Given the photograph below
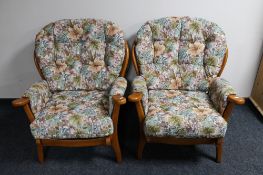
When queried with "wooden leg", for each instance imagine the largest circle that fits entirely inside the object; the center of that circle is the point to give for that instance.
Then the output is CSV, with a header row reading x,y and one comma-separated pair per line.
x,y
40,151
219,150
141,145
116,148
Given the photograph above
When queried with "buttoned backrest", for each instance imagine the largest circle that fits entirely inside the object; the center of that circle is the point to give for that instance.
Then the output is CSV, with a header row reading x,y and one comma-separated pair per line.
x,y
80,54
180,53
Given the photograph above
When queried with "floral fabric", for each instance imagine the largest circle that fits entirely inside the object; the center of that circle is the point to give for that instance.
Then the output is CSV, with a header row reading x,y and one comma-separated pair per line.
x,y
183,114
73,114
80,54
218,91
81,60
139,85
118,88
38,94
180,53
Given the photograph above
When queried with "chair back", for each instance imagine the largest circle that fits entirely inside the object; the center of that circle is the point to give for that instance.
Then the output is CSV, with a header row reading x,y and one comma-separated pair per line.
x,y
180,53
80,54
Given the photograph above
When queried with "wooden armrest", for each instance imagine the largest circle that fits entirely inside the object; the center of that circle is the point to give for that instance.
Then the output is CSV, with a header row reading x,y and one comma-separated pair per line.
x,y
135,97
235,99
20,102
118,99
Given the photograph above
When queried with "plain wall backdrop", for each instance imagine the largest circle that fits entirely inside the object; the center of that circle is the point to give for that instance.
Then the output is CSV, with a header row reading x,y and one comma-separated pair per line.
x,y
20,20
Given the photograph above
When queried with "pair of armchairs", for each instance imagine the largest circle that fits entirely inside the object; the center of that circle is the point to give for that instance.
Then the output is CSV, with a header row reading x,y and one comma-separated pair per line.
x,y
179,96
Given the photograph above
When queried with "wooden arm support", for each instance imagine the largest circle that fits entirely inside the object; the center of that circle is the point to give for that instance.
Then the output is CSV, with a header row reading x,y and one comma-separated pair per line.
x,y
118,99
135,97
20,102
235,99
232,101
24,102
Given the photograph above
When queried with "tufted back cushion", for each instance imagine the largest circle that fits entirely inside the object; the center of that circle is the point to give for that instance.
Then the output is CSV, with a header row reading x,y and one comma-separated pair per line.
x,y
180,53
80,54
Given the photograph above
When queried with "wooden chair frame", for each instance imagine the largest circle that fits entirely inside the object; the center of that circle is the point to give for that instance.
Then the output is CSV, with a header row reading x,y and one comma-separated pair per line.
x,y
136,97
111,140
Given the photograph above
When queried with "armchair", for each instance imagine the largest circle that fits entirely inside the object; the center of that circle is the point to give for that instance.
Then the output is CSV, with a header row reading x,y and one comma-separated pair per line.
x,y
179,95
82,63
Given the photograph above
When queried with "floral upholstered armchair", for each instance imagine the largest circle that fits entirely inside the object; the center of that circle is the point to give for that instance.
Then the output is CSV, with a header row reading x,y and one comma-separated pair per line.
x,y
82,63
179,95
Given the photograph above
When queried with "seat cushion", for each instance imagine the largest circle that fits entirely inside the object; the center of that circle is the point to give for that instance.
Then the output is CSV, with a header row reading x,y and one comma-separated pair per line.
x,y
183,114
74,114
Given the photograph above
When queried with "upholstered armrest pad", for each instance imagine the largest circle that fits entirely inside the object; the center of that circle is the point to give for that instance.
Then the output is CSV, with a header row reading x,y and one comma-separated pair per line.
x,y
139,85
118,88
219,90
38,94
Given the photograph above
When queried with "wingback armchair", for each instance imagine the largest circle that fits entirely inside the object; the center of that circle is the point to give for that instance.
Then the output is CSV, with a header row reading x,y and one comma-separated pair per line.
x,y
82,63
179,95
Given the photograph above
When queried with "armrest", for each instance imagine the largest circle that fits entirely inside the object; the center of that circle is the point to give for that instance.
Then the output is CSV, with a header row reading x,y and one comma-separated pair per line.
x,y
140,92
232,100
135,97
38,95
24,102
20,102
117,92
235,99
221,92
118,99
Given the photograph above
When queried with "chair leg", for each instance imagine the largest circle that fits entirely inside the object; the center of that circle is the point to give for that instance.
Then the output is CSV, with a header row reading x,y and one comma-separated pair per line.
x,y
140,148
116,148
219,150
40,151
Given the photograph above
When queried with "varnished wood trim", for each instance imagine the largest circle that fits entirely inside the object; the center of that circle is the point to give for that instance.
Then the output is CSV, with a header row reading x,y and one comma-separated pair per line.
x,y
181,141
115,116
114,137
125,61
219,149
73,142
235,99
140,111
24,102
142,140
135,97
134,60
228,110
29,113
232,100
40,151
116,148
20,102
118,99
108,141
223,63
